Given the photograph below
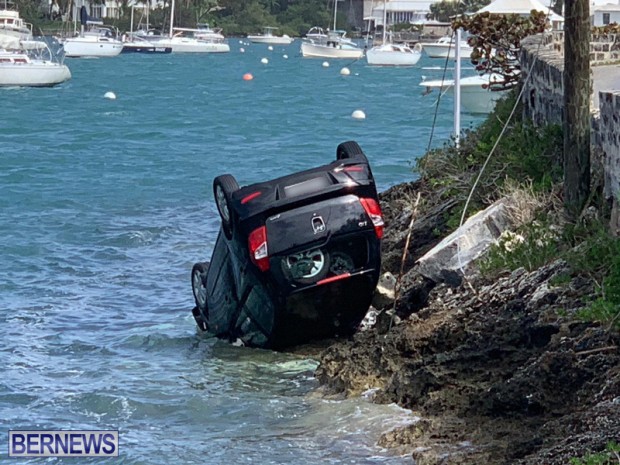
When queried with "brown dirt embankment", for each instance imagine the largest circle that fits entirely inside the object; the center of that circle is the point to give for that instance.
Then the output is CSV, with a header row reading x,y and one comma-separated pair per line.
x,y
501,372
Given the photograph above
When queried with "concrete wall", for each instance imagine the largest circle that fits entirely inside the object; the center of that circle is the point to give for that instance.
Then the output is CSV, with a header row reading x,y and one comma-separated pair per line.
x,y
542,59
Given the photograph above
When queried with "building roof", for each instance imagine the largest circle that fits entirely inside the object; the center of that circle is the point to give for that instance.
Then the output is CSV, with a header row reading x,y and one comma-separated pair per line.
x,y
404,5
519,7
608,7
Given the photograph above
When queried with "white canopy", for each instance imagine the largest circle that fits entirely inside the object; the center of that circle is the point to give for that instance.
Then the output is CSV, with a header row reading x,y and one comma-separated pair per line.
x,y
9,42
520,7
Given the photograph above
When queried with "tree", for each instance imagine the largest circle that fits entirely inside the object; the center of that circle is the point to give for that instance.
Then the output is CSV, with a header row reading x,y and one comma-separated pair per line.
x,y
576,106
445,10
496,42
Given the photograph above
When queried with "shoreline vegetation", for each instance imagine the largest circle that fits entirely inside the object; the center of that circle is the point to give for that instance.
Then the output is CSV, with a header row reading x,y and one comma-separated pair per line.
x,y
517,361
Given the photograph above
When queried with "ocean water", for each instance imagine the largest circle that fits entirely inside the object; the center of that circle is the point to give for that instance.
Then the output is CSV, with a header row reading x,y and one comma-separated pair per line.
x,y
106,204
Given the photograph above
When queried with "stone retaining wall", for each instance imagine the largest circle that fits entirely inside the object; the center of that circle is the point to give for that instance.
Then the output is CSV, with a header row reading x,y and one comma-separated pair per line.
x,y
604,48
543,103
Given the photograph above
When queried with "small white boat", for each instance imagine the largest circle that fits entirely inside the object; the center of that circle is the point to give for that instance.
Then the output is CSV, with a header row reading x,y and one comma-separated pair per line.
x,y
12,25
94,40
445,47
268,37
390,54
29,64
476,97
206,32
335,45
184,40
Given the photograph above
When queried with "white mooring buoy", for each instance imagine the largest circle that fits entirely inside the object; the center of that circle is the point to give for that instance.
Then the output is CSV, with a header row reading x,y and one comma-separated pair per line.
x,y
358,114
345,71
110,95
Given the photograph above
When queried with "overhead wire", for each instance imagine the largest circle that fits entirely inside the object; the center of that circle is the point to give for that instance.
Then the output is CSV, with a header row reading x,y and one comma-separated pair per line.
x,y
496,144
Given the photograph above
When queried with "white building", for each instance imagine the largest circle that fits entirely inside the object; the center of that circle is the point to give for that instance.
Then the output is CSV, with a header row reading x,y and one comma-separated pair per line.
x,y
398,11
602,15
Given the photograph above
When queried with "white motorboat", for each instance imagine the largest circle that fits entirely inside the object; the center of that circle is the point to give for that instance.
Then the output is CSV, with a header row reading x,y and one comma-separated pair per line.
x,y
476,97
93,40
206,32
334,44
29,64
445,47
268,37
390,54
12,25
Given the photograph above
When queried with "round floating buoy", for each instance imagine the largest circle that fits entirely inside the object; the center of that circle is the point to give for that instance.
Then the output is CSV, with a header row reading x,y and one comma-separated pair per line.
x,y
248,77
264,61
325,64
240,41
345,71
358,114
285,57
270,48
110,95
242,50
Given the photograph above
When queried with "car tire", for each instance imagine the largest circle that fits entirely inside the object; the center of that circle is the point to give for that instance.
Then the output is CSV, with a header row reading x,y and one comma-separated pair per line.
x,y
309,278
200,321
350,149
223,188
199,288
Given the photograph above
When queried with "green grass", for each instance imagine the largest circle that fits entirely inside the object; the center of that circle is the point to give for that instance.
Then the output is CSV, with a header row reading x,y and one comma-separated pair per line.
x,y
611,456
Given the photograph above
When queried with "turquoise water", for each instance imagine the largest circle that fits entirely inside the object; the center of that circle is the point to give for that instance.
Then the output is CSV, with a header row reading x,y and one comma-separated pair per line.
x,y
106,204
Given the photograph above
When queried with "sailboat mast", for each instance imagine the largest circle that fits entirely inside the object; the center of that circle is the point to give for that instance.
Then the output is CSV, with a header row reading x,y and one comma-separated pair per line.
x,y
335,11
384,20
171,17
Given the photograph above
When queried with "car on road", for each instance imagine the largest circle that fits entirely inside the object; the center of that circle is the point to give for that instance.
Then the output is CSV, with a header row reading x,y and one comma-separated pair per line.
x,y
296,259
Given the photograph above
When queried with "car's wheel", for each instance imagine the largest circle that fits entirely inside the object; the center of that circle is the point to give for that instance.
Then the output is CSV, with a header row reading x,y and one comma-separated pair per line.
x,y
199,286
350,149
200,322
223,188
306,267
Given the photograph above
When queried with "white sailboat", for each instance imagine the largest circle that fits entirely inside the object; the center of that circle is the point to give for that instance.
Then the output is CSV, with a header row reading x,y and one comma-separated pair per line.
x,y
185,40
29,63
93,40
390,54
334,45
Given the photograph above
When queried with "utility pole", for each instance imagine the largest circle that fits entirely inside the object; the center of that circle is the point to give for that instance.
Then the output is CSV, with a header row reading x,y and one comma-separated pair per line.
x,y
577,119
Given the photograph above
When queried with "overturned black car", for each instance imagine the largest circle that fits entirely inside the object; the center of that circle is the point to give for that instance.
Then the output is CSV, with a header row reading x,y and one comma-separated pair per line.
x,y
296,259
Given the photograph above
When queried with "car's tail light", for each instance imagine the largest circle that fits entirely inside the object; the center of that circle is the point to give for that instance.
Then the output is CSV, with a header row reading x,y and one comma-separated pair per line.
x,y
257,243
354,168
374,212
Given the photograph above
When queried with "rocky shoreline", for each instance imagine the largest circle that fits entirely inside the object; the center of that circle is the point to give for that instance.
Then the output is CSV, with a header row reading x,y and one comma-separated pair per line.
x,y
500,372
